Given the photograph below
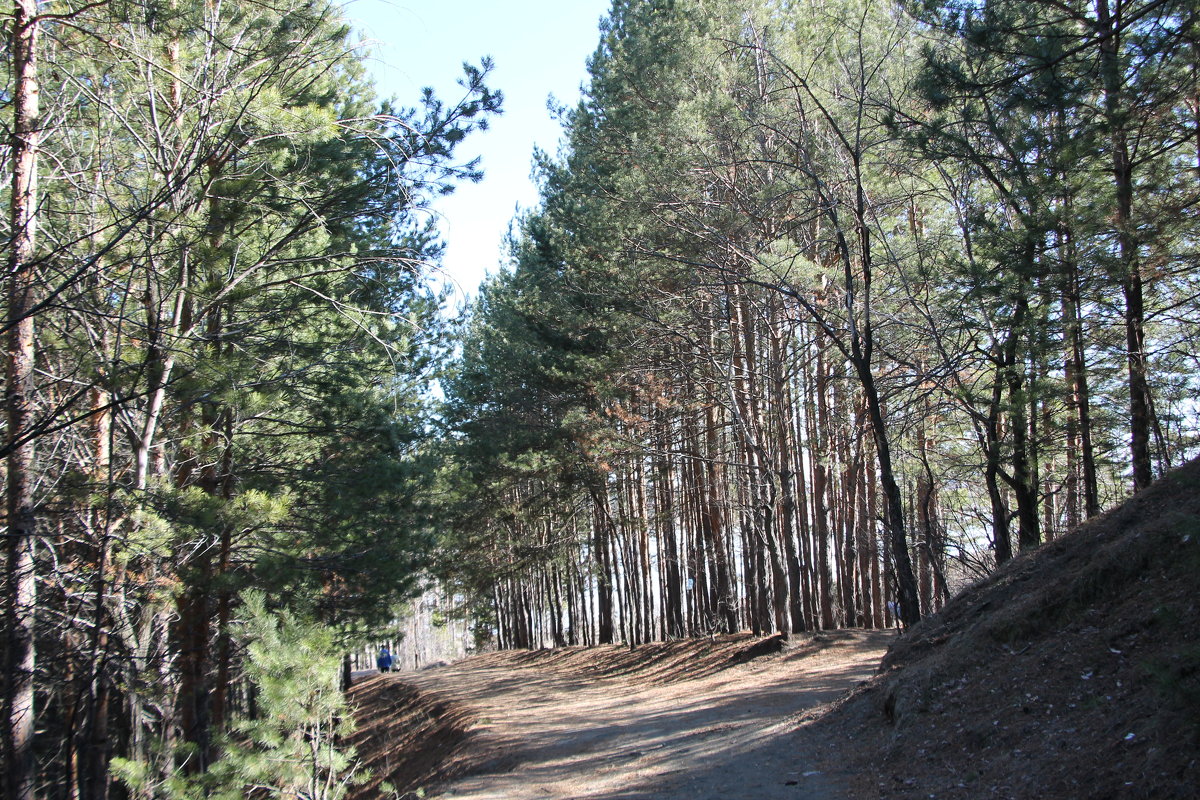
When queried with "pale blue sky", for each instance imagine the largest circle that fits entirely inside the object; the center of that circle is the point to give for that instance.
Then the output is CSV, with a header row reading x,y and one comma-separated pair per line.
x,y
540,48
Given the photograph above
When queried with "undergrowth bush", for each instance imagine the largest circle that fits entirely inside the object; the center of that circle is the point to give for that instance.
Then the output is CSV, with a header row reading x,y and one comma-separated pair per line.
x,y
291,746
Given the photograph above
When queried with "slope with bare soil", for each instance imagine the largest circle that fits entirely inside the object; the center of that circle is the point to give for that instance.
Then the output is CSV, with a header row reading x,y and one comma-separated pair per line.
x,y
406,737
1074,672
681,720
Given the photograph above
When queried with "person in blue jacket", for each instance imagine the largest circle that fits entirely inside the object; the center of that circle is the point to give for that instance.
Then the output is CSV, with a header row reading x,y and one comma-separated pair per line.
x,y
384,661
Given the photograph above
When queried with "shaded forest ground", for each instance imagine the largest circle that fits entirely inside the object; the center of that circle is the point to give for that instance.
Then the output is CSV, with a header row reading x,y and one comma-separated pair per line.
x,y
1073,672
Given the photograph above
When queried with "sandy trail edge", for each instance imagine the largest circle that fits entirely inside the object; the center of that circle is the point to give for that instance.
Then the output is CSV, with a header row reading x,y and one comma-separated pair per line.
x,y
547,729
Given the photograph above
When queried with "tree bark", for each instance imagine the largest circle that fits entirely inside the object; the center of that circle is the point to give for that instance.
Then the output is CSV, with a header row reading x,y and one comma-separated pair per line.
x,y
786,512
818,437
1110,32
601,533
723,605
20,595
1081,457
667,537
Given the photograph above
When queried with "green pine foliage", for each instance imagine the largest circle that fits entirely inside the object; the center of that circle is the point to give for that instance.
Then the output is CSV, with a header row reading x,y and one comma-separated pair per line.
x,y
235,342
290,745
768,221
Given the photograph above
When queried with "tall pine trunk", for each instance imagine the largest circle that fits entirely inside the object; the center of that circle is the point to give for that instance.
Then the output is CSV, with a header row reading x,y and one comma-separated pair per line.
x,y
20,595
1110,31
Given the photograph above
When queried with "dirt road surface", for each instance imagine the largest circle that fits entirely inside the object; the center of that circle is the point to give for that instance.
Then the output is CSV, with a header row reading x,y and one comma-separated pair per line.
x,y
547,730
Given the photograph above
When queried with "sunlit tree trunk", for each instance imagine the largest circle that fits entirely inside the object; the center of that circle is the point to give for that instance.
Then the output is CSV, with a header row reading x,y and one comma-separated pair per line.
x,y
818,437
20,595
672,578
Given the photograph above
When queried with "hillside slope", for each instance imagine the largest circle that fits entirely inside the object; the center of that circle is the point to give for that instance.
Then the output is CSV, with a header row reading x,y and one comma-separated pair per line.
x,y
1073,672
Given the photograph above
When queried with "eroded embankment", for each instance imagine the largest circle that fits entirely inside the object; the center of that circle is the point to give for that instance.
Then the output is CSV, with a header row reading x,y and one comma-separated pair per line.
x,y
1072,672
407,737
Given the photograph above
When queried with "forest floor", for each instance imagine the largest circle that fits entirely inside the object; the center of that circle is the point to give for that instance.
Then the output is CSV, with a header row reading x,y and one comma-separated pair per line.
x,y
708,718
1072,672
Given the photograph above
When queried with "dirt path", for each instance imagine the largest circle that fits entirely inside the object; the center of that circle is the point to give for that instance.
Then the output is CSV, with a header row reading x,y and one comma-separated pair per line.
x,y
550,730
